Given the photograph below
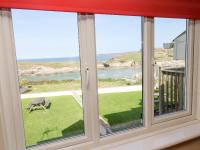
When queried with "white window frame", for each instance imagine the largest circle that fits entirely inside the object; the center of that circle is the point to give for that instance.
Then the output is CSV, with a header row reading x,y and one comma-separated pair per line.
x,y
11,101
10,107
189,77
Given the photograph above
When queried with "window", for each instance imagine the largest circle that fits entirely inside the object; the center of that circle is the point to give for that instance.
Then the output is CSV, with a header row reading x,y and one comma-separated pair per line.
x,y
170,66
47,52
74,79
119,65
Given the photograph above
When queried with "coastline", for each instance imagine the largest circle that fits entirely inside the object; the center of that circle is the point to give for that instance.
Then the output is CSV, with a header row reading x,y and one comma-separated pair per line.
x,y
37,70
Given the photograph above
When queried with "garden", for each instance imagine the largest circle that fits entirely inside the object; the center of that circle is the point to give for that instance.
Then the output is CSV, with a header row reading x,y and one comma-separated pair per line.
x,y
65,116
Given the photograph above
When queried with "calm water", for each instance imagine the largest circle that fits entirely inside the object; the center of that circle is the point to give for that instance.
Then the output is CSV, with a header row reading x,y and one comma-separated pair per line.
x,y
114,73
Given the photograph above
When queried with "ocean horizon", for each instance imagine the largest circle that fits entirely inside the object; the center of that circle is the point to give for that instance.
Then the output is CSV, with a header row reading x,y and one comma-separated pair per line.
x,y
100,57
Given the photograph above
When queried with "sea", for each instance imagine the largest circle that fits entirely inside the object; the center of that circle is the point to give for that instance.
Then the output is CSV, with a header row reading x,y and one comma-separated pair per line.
x,y
100,58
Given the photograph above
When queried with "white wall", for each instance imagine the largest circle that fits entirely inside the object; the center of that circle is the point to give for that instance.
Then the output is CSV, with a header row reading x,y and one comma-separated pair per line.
x,y
179,48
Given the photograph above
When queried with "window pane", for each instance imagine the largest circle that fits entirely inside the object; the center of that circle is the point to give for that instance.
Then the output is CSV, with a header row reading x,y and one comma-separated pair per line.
x,y
119,64
170,65
49,74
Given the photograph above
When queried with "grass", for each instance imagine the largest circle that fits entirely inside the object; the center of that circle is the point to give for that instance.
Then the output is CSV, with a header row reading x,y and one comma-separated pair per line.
x,y
163,54
159,55
51,86
28,65
118,108
102,83
54,86
65,117
129,56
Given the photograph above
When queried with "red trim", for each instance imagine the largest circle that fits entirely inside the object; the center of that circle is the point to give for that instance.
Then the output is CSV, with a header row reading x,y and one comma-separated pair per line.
x,y
151,8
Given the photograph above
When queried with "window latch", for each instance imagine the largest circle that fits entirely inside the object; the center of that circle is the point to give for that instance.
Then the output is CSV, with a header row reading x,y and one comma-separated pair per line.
x,y
87,75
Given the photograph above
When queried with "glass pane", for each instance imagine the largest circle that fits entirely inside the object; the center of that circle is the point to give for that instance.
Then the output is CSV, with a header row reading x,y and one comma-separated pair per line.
x,y
119,64
170,65
49,74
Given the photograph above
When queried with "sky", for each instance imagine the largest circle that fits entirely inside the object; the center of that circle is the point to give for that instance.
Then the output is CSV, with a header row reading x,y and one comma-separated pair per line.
x,y
46,34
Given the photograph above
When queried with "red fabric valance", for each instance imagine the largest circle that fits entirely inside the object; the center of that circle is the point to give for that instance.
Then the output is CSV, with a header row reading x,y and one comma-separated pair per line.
x,y
151,8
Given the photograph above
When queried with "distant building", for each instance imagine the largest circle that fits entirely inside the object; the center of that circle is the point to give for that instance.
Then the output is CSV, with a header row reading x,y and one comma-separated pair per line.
x,y
178,45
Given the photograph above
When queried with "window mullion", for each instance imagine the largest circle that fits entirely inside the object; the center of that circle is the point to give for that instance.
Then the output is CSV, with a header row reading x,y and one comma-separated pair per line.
x,y
10,100
190,72
196,82
148,42
87,42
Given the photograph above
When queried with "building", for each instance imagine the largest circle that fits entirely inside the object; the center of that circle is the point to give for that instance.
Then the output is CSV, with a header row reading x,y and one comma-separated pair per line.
x,y
179,45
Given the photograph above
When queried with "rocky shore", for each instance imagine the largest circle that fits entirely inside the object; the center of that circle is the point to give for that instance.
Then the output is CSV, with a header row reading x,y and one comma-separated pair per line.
x,y
45,70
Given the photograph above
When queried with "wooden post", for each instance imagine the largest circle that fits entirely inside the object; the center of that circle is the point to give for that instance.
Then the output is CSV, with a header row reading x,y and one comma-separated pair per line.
x,y
175,91
167,93
161,93
164,95
171,93
181,91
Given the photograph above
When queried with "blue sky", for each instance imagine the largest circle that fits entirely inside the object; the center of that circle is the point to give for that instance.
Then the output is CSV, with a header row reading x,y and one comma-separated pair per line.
x,y
44,34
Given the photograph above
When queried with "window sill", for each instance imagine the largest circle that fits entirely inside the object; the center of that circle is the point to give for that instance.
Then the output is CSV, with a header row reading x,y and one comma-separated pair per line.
x,y
159,139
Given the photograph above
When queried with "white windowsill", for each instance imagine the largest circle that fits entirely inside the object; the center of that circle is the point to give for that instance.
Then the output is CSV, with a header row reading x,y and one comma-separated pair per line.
x,y
159,139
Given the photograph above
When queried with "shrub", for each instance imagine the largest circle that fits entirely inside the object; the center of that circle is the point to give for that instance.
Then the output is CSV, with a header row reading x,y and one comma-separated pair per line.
x,y
106,65
24,82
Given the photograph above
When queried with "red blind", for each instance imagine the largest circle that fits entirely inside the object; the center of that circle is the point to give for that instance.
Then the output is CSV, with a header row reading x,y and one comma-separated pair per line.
x,y
159,8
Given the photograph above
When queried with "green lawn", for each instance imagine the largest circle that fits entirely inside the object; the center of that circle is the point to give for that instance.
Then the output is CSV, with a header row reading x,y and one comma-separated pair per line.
x,y
65,117
118,108
52,86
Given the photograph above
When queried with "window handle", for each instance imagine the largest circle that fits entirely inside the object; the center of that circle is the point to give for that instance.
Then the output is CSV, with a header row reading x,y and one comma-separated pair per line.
x,y
153,62
87,75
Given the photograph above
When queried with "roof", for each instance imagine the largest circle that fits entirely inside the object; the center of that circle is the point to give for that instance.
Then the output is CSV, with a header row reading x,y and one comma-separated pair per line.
x,y
171,45
184,32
